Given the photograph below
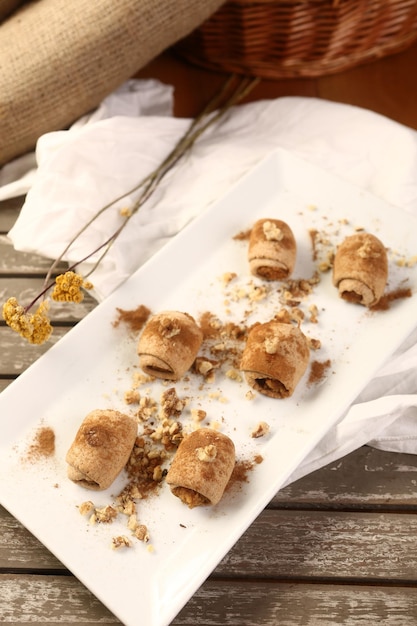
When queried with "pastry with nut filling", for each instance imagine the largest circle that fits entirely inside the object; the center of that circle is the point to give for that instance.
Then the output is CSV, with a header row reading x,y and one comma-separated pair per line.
x,y
360,269
101,448
272,250
169,344
274,359
202,467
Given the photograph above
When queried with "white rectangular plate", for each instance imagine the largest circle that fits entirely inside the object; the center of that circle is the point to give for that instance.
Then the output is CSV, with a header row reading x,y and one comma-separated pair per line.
x,y
93,365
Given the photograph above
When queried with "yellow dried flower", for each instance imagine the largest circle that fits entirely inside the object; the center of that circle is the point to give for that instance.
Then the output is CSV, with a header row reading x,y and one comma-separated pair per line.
x,y
36,328
68,287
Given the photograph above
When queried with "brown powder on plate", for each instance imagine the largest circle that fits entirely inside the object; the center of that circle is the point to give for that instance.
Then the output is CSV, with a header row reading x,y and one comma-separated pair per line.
x,y
135,319
43,444
243,235
384,303
241,471
318,370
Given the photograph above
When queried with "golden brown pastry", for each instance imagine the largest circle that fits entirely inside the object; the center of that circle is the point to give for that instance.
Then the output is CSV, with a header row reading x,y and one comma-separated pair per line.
x,y
360,269
275,358
272,249
101,448
202,467
169,344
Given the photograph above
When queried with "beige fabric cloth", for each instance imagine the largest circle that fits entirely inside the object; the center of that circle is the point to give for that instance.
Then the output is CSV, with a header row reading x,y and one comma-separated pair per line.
x,y
59,59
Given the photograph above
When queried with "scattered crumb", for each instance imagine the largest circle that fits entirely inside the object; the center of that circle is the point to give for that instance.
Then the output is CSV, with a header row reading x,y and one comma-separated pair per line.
x,y
261,429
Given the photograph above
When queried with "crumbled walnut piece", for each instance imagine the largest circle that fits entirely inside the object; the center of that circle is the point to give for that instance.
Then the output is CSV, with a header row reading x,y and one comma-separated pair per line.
x,y
250,395
132,522
271,345
132,396
206,453
313,310
86,507
228,277
205,366
171,404
283,316
257,292
271,231
314,344
261,430
105,515
120,542
147,408
296,314
367,251
169,328
198,415
141,533
234,375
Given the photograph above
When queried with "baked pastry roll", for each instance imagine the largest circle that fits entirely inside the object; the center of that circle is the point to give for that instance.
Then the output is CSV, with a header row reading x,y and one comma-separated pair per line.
x,y
360,269
272,249
275,358
169,344
101,448
202,467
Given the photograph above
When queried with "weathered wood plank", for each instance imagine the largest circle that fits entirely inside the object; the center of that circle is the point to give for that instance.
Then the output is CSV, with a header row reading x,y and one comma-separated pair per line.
x,y
281,544
280,604
9,210
16,354
14,262
49,600
65,601
366,479
317,544
5,382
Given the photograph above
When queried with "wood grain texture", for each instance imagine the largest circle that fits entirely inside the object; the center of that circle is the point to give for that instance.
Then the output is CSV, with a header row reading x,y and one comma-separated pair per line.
x,y
38,599
282,545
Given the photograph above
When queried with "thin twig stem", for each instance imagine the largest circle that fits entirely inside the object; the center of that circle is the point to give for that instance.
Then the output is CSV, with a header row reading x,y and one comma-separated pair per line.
x,y
212,112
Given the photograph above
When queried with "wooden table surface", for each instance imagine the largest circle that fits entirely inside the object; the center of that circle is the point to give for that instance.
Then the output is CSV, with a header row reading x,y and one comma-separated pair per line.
x,y
338,546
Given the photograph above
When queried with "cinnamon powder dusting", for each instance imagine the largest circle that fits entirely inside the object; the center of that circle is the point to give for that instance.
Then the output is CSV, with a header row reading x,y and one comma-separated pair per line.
x,y
134,319
318,371
384,303
244,235
241,471
43,445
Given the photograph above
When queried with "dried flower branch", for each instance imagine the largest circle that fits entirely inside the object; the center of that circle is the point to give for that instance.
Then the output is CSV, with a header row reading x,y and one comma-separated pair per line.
x,y
67,287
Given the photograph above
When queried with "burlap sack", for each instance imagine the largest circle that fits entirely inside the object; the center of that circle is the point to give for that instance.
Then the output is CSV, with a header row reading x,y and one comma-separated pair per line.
x,y
59,59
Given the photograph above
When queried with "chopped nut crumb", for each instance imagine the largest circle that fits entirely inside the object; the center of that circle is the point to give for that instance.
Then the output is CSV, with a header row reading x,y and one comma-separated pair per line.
x,y
207,453
198,415
141,533
228,277
261,430
313,313
104,515
271,345
272,232
314,344
234,375
132,396
86,507
120,542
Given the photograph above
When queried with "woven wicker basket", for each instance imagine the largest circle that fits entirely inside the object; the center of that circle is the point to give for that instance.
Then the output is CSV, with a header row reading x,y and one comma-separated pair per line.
x,y
300,38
